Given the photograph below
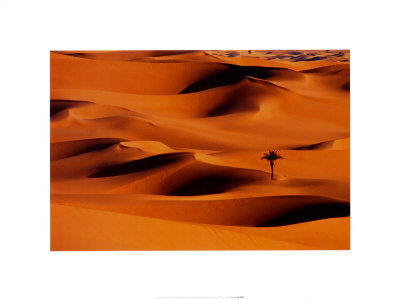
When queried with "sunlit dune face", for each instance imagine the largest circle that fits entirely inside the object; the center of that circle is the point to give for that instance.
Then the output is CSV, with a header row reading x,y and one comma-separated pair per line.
x,y
200,150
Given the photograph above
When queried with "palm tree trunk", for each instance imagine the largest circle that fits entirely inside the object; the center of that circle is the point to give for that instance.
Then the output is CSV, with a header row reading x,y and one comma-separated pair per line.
x,y
272,170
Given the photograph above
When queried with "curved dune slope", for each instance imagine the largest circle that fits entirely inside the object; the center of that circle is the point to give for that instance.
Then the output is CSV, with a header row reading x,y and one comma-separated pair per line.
x,y
122,55
160,150
235,73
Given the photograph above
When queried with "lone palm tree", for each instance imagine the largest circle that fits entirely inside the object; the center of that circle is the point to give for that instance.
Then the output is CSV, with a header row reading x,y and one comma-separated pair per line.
x,y
272,156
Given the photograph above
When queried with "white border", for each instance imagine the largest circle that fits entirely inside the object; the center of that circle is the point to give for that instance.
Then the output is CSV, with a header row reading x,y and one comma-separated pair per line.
x,y
31,28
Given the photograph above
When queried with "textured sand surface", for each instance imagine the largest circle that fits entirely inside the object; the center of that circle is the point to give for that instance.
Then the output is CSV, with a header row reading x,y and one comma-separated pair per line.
x,y
160,150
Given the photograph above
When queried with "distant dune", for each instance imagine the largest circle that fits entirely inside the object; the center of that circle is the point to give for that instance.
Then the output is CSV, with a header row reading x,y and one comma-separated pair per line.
x,y
160,150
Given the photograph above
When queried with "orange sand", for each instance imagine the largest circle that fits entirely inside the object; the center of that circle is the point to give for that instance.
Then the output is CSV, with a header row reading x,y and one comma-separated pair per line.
x,y
160,150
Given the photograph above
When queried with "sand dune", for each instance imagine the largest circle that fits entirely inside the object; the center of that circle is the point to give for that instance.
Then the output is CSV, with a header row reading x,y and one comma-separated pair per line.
x,y
87,229
248,211
154,150
121,55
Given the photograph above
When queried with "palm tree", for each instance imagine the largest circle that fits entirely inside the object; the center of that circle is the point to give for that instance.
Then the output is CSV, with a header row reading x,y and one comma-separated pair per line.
x,y
271,156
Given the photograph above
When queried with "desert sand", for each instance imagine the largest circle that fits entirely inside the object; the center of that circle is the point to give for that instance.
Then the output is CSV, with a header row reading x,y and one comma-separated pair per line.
x,y
160,150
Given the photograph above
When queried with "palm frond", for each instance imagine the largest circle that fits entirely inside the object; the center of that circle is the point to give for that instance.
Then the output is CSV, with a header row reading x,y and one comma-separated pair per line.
x,y
272,155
